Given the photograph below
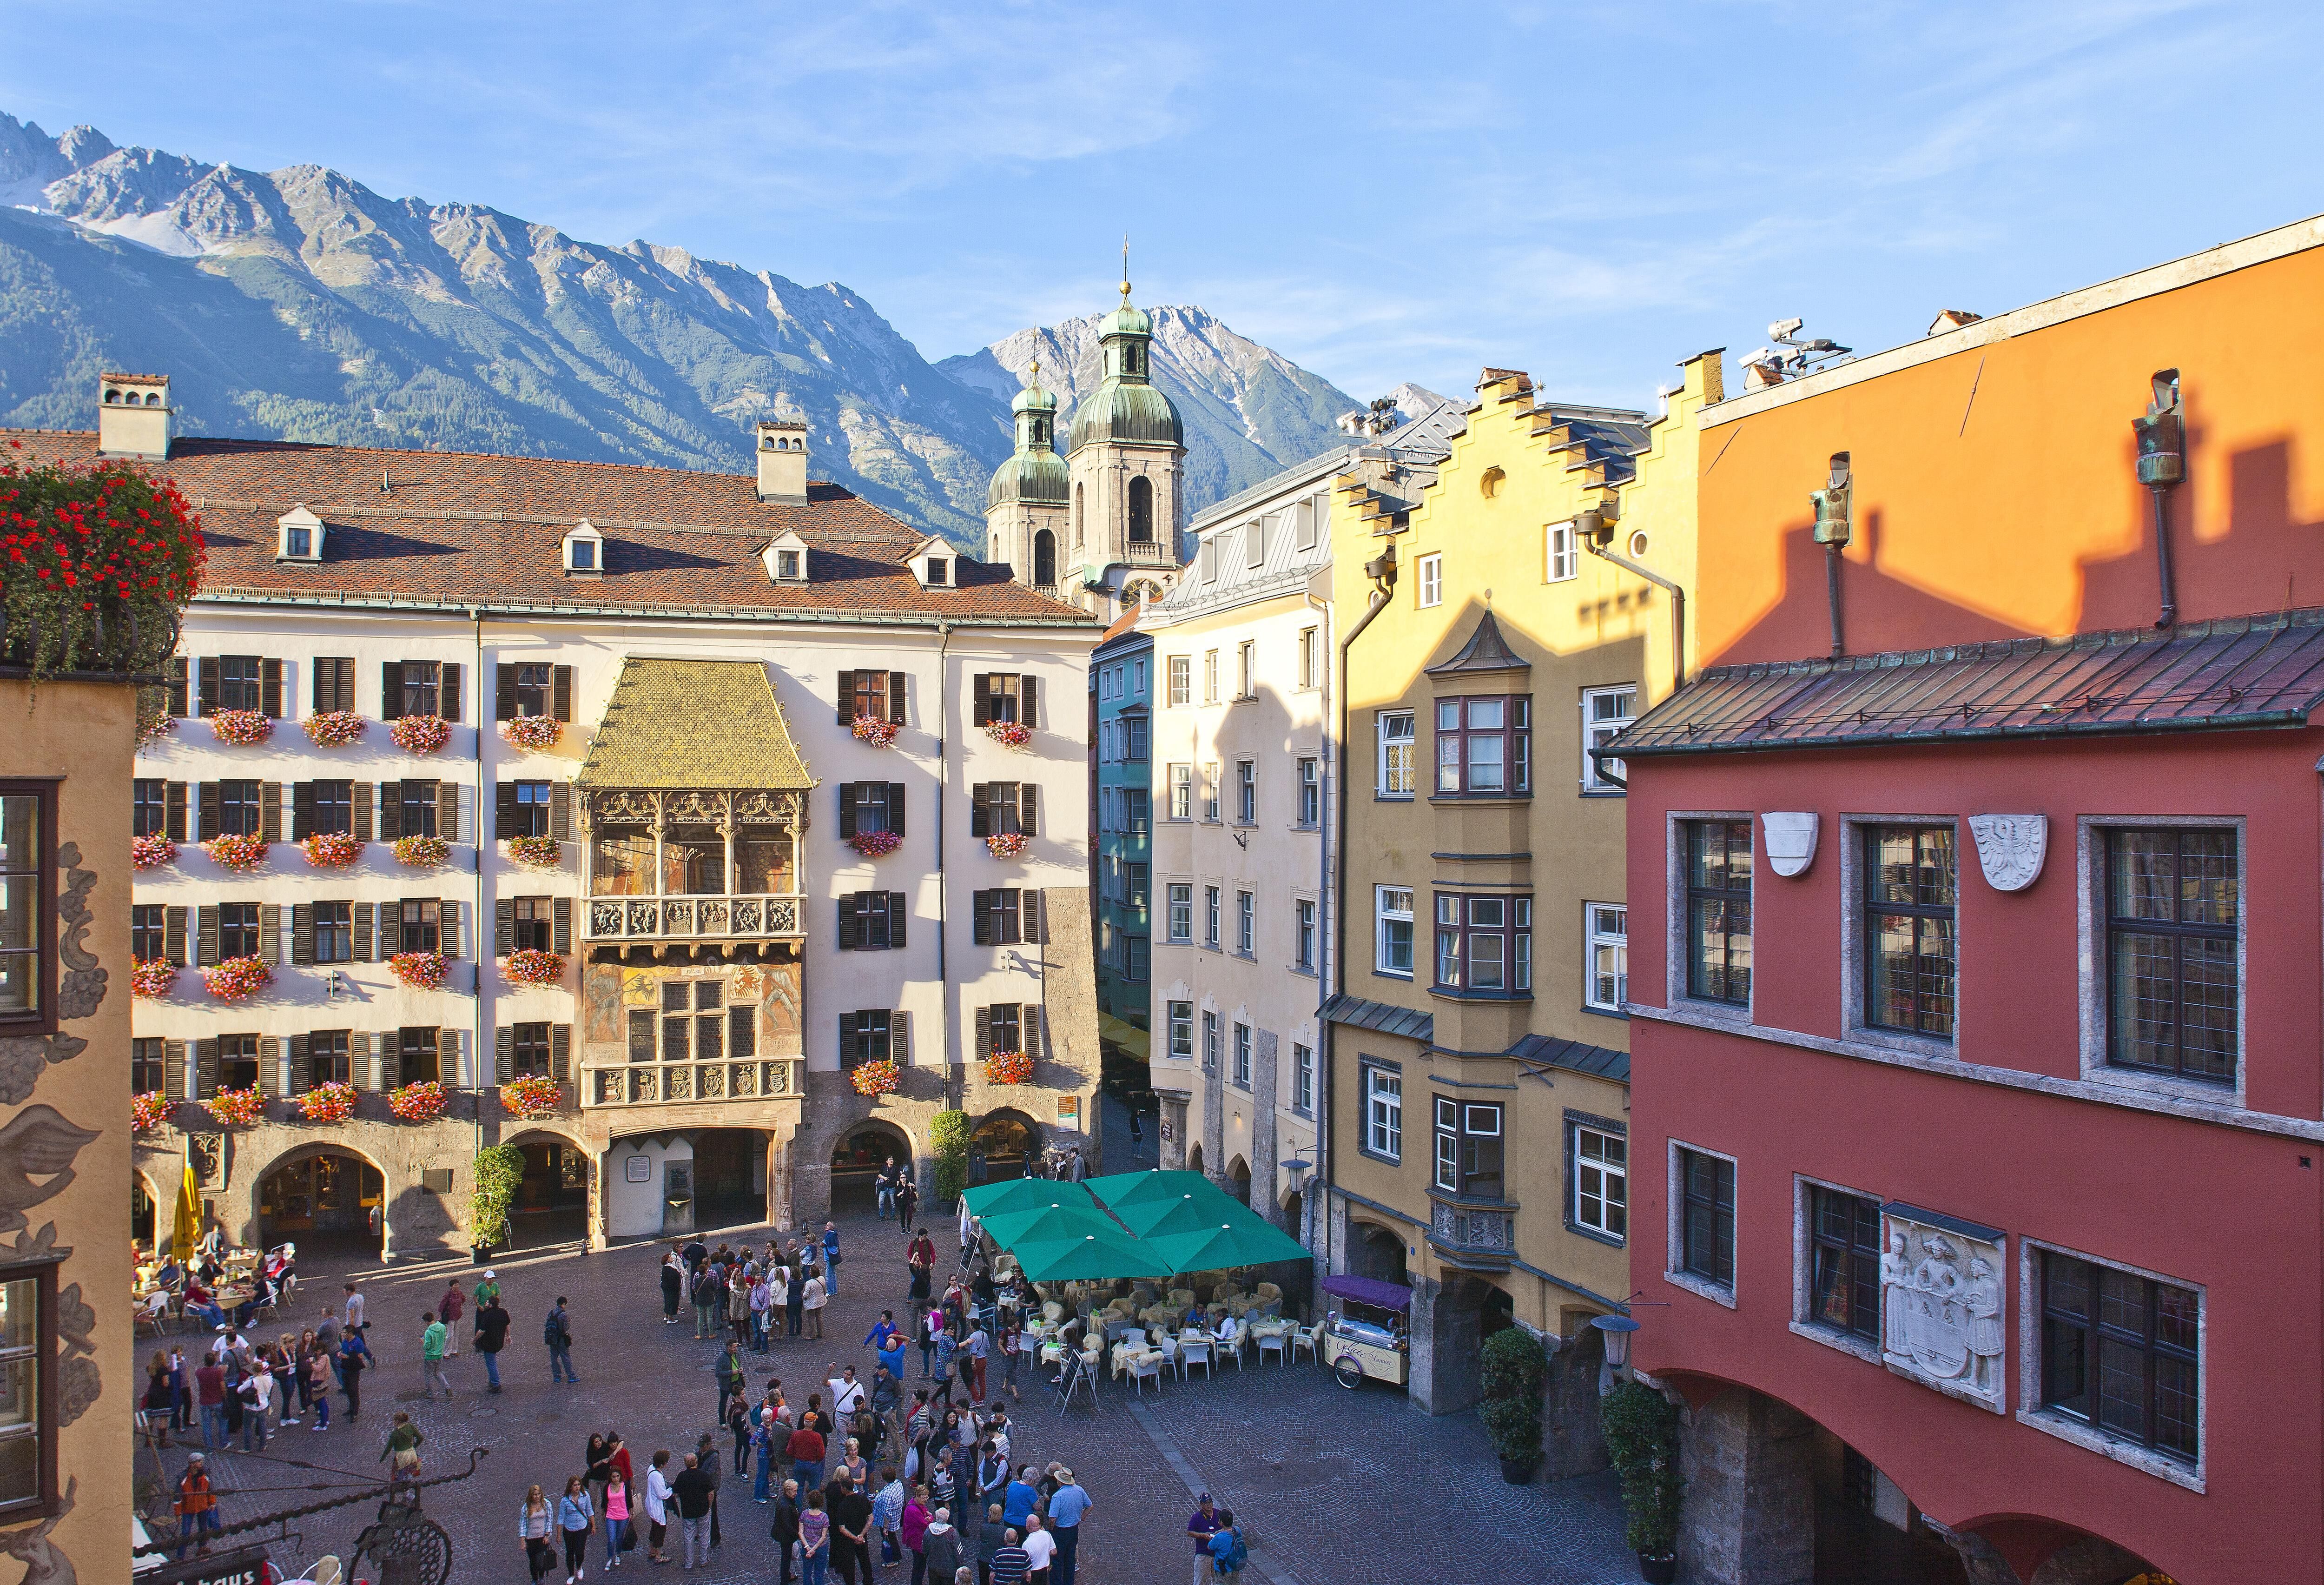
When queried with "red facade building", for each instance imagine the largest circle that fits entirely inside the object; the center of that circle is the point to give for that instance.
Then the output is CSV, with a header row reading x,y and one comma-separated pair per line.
x,y
1977,1106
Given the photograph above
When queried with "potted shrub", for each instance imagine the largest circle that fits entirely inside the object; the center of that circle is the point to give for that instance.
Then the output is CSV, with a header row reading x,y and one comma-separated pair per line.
x,y
1641,1429
500,1170
1515,1372
948,1135
96,564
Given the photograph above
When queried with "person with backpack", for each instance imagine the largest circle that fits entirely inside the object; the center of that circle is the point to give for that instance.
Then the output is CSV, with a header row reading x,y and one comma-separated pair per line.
x,y
492,1332
556,1333
706,1293
196,1505
1227,1554
354,1359
1202,1527
673,1287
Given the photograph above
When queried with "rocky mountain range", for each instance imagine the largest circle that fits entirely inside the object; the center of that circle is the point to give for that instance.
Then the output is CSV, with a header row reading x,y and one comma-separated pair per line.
x,y
299,304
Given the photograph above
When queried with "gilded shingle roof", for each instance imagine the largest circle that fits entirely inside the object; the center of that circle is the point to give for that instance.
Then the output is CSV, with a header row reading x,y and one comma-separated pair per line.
x,y
681,724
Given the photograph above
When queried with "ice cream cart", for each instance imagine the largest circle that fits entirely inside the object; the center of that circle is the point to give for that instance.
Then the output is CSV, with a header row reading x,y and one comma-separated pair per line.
x,y
1363,1335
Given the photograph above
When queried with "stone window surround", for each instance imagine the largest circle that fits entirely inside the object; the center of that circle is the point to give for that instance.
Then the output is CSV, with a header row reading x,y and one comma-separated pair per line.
x,y
1310,970
1710,1014
2089,925
1802,1271
2083,1434
1852,909
1571,1120
1675,1270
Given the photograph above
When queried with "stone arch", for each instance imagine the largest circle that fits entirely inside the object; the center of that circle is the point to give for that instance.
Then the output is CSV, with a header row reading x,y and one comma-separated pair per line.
x,y
1045,558
333,1214
1195,1157
147,1224
1141,509
1005,1143
2090,1561
1239,1180
852,1171
555,1203
1375,1250
1460,1314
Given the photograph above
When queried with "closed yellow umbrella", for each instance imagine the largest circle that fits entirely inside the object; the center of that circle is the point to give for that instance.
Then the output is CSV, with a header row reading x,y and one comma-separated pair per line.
x,y
187,1229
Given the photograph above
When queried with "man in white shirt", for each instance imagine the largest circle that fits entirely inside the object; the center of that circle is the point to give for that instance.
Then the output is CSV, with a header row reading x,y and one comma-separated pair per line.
x,y
1041,1546
354,1309
846,1393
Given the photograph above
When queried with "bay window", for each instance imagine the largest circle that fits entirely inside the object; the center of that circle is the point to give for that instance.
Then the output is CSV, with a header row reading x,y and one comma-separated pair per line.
x,y
1468,1148
1484,945
1484,747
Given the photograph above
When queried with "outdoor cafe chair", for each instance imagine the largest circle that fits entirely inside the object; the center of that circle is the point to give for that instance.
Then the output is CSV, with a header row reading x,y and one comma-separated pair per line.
x,y
1305,1336
155,1312
1273,1341
1146,1368
1194,1351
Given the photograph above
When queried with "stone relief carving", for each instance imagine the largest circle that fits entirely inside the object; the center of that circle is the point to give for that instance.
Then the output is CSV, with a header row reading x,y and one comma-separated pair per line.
x,y
1942,1308
38,1142
23,1058
1790,840
2010,848
81,987
45,1563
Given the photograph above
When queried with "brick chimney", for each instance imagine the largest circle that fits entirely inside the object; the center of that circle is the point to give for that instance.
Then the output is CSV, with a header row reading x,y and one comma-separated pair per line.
x,y
782,461
134,416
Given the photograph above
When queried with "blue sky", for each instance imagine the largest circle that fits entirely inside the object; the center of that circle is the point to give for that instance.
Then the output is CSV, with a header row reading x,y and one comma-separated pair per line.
x,y
1590,191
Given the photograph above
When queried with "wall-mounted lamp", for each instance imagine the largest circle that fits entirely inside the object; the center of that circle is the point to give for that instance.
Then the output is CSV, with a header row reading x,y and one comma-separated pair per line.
x,y
1614,1330
1834,528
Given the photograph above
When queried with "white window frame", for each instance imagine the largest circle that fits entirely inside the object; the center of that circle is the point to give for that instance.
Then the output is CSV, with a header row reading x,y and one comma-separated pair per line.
x,y
1182,679
1209,676
1182,780
1445,1174
1210,1039
1213,905
1181,1017
1137,678
1210,792
1382,917
1574,1129
1246,791
1302,1079
1383,1094
1247,668
1242,1055
1562,556
1595,731
1246,924
1181,924
1382,785
1302,934
1311,792
1595,939
1428,580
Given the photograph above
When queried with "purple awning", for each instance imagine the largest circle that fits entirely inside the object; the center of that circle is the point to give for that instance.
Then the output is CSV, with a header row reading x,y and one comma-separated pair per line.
x,y
1370,1290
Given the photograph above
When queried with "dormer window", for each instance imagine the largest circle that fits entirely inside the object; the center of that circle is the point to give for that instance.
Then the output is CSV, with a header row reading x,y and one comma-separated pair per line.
x,y
298,536
584,552
788,564
939,571
931,561
785,559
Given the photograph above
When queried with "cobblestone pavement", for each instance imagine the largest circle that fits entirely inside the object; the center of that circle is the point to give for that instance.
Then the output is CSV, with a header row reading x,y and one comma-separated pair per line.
x,y
1334,1485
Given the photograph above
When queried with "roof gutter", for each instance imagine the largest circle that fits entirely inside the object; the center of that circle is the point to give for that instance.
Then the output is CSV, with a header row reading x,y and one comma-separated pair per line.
x,y
1599,754
461,608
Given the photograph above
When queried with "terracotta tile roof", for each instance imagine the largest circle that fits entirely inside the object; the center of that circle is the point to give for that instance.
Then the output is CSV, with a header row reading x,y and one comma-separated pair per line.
x,y
457,528
676,723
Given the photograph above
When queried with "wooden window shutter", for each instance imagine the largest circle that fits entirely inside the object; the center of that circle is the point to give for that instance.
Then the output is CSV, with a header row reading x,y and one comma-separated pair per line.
x,y
1025,696
390,928
896,807
560,811
846,811
504,808
896,913
1030,1027
206,1064
447,697
560,1052
447,929
363,932
846,698
1029,911
302,933
206,935
270,1065
363,793
560,928
503,692
174,810
846,1039
984,911
391,1058
899,1038
980,818
983,1033
173,934
205,799
391,811
205,673
1008,927
270,932
391,690
847,923
1029,809
560,692
173,1070
448,810
503,1053
178,686
302,810
269,811
979,694
302,1063
896,697
447,1057
270,688
503,926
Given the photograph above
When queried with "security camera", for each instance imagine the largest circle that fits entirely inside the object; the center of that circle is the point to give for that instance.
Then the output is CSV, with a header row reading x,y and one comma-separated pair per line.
x,y
1784,329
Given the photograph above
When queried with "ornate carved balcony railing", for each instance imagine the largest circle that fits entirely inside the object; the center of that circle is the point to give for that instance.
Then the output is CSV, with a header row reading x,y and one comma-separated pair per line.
x,y
633,1084
1479,1234
763,917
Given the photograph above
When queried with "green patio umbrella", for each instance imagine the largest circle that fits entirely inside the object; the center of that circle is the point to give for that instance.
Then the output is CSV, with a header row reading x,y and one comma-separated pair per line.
x,y
1094,1256
1185,1213
1017,1194
1119,1189
1049,1223
1232,1243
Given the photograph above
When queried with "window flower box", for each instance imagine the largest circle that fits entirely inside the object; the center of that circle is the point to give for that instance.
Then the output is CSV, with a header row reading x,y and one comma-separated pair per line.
x,y
1010,734
241,728
536,1095
1008,1068
330,1102
151,977
418,1103
540,852
96,563
422,852
334,728
239,854
421,970
237,1109
148,1111
331,849
532,967
877,733
875,844
880,1078
237,980
419,734
1005,844
154,725
532,732
151,852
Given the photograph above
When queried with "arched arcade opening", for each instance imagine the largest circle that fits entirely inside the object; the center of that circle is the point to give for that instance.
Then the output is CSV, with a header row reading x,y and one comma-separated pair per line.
x,y
330,1202
856,1161
552,1202
1006,1145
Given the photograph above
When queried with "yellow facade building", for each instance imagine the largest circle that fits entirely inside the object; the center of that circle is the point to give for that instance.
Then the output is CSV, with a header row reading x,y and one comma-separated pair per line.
x,y
1528,604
